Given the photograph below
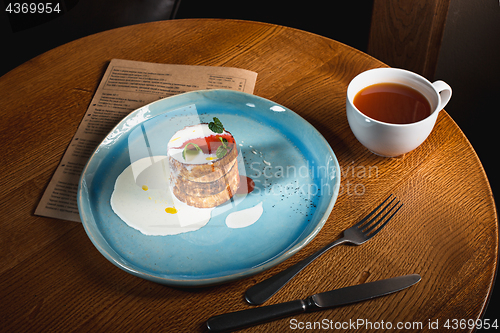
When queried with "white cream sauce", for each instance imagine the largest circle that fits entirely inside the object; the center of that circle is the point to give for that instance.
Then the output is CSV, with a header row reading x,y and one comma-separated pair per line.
x,y
245,217
142,198
148,204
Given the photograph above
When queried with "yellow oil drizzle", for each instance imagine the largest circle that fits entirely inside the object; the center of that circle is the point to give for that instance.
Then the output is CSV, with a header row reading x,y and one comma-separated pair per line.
x,y
144,187
171,210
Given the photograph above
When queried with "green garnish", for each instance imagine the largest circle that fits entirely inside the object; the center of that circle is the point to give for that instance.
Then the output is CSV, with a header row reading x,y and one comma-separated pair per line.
x,y
185,148
223,149
216,126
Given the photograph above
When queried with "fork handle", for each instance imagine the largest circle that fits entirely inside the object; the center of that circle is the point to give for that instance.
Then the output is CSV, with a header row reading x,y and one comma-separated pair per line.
x,y
264,290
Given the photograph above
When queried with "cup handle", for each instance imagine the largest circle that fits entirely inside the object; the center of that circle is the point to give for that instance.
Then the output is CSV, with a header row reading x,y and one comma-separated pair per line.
x,y
445,91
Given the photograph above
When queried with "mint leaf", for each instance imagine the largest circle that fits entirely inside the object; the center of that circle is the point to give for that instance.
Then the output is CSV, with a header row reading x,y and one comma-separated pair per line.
x,y
221,152
223,149
185,148
216,126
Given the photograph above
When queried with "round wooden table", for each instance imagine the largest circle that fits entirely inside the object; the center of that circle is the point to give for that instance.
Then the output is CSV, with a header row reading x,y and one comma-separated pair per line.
x,y
54,279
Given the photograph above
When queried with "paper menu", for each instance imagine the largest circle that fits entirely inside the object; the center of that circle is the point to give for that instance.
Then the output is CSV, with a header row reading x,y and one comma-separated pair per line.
x,y
126,86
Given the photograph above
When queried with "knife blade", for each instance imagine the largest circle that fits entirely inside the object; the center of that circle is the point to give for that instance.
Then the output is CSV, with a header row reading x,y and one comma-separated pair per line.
x,y
338,297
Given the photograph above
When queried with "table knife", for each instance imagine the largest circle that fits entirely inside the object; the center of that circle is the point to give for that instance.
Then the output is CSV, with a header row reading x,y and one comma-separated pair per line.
x,y
241,319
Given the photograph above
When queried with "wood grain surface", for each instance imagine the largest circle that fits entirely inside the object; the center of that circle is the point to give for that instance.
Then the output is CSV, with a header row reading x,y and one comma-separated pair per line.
x,y
408,34
53,279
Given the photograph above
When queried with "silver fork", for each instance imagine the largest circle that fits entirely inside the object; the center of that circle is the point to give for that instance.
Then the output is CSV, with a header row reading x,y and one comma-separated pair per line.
x,y
361,232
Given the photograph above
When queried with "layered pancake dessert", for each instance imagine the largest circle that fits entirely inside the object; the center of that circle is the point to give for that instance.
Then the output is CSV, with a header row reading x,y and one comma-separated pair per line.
x,y
203,165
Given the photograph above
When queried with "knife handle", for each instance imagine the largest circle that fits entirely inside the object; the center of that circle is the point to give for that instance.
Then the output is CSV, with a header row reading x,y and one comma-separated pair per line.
x,y
241,319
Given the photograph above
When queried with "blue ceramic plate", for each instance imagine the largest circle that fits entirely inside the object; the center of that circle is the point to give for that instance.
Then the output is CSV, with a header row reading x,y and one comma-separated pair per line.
x,y
295,172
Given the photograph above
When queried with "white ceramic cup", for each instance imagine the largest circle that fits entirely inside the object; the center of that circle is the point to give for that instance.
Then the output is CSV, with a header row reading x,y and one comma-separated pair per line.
x,y
388,139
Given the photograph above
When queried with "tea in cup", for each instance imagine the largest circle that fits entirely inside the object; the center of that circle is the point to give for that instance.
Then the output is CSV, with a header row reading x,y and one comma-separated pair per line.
x,y
392,111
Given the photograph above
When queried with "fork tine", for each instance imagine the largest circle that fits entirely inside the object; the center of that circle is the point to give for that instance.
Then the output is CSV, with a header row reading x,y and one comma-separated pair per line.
x,y
373,222
381,226
360,223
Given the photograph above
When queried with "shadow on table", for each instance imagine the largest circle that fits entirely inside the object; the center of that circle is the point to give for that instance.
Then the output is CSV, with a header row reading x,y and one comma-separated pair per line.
x,y
45,26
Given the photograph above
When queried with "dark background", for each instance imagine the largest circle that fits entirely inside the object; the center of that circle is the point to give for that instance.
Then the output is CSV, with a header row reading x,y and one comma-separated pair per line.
x,y
469,57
